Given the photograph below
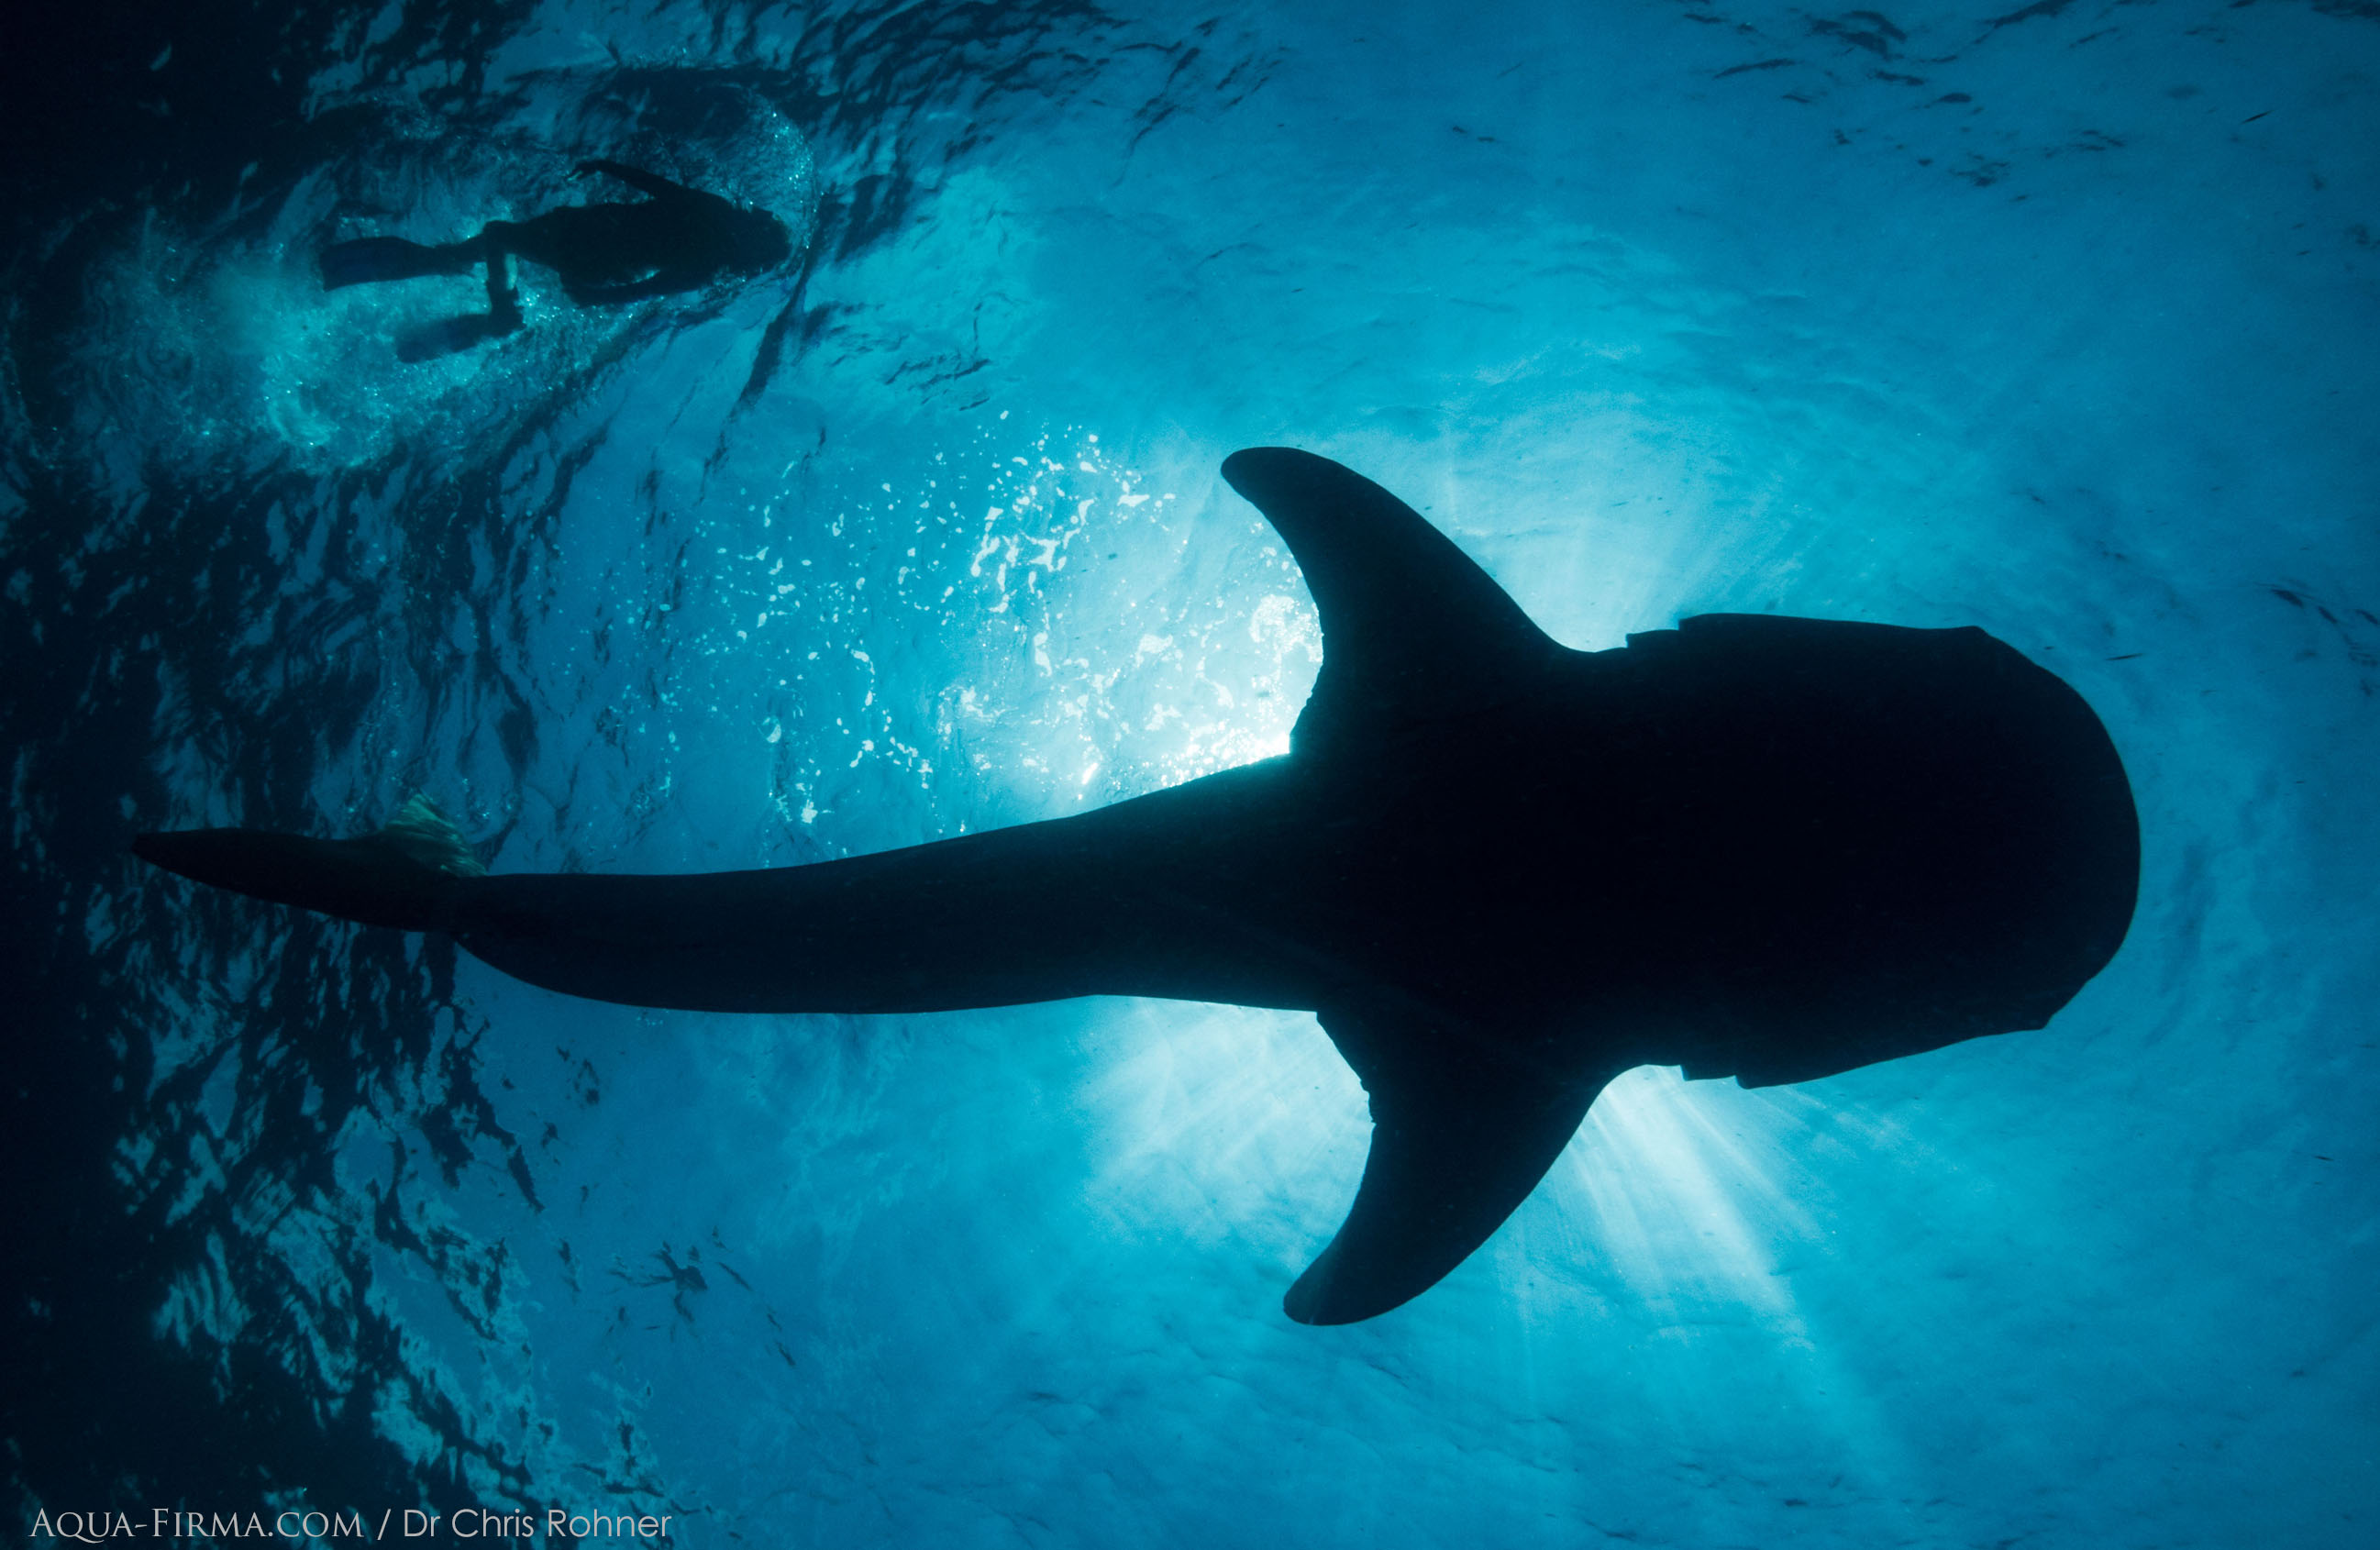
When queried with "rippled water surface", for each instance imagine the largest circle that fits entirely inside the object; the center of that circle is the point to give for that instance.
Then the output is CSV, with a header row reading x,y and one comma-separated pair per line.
x,y
2061,322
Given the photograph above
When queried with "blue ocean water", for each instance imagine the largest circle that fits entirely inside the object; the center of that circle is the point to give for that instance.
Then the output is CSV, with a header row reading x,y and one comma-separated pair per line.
x,y
2061,322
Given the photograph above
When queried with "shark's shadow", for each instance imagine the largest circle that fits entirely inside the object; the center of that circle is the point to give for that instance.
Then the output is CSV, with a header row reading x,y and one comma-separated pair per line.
x,y
1501,871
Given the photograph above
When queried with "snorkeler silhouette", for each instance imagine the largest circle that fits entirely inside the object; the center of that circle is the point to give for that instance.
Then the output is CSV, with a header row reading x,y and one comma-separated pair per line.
x,y
677,239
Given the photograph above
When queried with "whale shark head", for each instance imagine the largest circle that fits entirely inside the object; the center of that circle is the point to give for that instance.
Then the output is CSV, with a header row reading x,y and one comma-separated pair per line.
x,y
1765,847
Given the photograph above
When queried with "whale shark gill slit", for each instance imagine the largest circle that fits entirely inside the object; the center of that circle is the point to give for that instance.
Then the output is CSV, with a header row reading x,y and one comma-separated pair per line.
x,y
1500,871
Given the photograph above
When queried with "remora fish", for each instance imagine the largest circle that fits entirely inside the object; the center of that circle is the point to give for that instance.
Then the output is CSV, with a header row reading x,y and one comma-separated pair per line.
x,y
1500,871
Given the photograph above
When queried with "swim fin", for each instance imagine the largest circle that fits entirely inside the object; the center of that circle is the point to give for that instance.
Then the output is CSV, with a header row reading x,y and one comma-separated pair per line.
x,y
369,258
401,876
451,335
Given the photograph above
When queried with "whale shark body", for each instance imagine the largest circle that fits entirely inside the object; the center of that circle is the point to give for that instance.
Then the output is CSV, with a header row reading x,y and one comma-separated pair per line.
x,y
1500,871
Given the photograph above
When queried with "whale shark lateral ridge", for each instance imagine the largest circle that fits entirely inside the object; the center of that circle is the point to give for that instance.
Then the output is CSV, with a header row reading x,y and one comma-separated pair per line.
x,y
1499,870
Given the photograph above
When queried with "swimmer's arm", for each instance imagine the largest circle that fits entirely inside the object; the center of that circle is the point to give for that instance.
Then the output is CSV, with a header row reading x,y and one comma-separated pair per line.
x,y
662,284
643,182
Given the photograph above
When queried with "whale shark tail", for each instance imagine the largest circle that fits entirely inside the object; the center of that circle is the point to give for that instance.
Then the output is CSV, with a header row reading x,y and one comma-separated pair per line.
x,y
401,876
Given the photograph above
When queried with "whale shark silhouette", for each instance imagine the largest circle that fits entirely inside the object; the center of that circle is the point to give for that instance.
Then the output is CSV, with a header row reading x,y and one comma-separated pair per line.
x,y
1501,871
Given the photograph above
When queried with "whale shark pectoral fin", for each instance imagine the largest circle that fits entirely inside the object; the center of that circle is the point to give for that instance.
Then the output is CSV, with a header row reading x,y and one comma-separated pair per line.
x,y
1410,625
1462,1132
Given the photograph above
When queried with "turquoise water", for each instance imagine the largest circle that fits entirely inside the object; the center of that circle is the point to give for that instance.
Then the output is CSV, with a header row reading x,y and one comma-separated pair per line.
x,y
2061,324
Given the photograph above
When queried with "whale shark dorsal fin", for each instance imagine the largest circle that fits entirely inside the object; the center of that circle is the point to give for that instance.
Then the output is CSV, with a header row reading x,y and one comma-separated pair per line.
x,y
1410,625
1463,1127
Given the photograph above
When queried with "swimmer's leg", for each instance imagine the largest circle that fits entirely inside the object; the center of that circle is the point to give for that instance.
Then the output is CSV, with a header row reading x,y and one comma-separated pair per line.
x,y
369,259
451,335
495,245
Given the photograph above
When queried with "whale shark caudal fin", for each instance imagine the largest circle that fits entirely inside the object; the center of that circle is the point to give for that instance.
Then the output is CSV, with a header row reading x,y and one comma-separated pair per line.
x,y
401,876
1463,1127
1412,628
